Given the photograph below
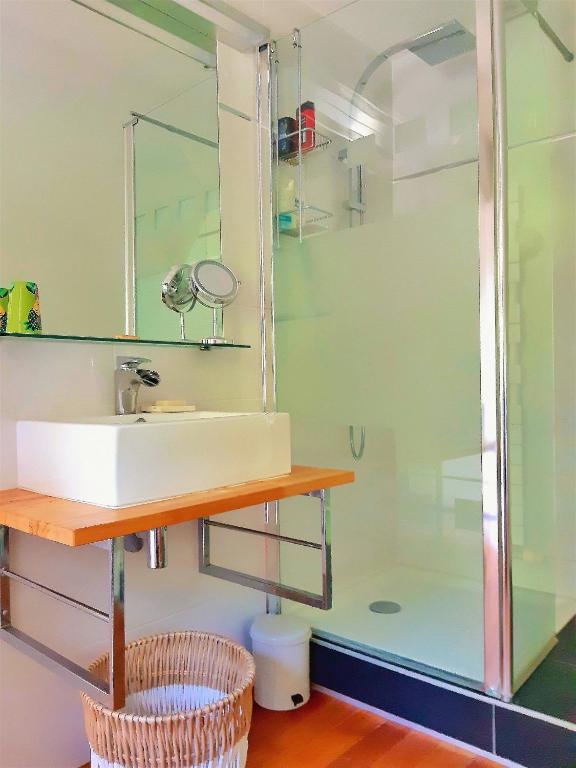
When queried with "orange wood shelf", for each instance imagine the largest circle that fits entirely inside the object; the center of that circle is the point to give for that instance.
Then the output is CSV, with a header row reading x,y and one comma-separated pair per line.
x,y
74,523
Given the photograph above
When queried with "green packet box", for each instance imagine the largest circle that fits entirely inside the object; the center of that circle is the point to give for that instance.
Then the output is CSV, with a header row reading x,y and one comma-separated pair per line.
x,y
23,308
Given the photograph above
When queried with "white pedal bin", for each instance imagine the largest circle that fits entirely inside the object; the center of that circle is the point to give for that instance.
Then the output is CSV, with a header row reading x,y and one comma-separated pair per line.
x,y
281,650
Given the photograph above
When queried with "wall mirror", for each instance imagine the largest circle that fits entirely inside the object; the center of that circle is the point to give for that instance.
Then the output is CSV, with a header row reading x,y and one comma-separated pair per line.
x,y
109,161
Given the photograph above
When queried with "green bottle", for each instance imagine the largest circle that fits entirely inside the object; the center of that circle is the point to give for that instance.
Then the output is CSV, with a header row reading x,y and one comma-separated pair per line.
x,y
23,308
4,298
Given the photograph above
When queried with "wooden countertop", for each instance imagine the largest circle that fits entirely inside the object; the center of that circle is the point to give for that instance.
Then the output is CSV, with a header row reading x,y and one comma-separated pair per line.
x,y
74,523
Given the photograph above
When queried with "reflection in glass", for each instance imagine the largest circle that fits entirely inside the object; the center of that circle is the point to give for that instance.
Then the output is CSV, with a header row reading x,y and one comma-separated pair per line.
x,y
177,220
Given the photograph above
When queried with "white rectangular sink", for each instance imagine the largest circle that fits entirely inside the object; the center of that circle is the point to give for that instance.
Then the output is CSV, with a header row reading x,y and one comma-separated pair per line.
x,y
121,460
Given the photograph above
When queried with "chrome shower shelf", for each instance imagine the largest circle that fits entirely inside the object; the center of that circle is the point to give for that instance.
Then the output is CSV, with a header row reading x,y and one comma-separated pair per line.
x,y
320,142
313,219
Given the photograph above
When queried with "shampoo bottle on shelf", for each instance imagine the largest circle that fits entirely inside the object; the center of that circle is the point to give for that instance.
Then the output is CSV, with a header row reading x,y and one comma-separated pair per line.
x,y
306,118
287,136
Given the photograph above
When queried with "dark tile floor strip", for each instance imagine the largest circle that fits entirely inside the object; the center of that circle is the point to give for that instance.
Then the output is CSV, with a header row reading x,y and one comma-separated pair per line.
x,y
461,717
551,689
533,743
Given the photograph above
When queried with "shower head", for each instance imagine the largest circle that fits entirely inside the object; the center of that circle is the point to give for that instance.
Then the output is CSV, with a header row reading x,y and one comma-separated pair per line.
x,y
443,43
434,47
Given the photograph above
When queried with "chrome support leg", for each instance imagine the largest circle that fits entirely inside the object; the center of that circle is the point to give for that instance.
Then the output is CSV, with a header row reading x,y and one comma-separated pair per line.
x,y
326,527
203,545
4,580
272,553
116,666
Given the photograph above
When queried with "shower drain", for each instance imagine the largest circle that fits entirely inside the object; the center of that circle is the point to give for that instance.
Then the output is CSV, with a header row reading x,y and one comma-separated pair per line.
x,y
385,606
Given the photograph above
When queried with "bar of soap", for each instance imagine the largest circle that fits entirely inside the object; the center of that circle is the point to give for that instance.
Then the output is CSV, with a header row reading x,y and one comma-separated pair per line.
x,y
168,408
170,402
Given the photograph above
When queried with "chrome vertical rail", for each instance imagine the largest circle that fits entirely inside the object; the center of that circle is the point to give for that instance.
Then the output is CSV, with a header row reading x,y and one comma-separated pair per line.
x,y
203,544
272,559
501,247
274,239
4,580
274,113
297,43
116,666
493,350
326,528
267,75
129,230
264,160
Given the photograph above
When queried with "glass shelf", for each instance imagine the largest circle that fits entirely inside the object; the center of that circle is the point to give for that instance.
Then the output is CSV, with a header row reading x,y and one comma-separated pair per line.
x,y
313,221
108,340
320,142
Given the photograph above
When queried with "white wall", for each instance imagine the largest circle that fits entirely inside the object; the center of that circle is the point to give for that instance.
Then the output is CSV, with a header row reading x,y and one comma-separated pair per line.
x,y
40,716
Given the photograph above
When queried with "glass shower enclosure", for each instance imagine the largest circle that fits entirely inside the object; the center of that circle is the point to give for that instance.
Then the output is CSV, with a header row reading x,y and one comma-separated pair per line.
x,y
397,310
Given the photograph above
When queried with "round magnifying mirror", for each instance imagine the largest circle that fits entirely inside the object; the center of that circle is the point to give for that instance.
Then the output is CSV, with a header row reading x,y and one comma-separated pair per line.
x,y
177,293
208,282
215,286
213,283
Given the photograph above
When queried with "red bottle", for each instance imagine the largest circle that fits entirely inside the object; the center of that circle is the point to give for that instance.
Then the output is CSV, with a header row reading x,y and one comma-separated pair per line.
x,y
306,117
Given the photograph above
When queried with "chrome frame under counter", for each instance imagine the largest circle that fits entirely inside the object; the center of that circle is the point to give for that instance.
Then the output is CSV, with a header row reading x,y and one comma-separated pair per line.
x,y
74,524
271,586
111,692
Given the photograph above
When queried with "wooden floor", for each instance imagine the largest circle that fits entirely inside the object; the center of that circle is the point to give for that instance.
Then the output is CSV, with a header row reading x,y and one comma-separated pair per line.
x,y
328,733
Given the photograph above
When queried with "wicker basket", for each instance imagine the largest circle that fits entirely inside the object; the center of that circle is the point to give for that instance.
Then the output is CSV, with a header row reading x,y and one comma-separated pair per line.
x,y
188,705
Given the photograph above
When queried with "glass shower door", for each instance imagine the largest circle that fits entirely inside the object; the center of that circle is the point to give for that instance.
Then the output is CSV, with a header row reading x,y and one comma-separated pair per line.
x,y
541,264
377,324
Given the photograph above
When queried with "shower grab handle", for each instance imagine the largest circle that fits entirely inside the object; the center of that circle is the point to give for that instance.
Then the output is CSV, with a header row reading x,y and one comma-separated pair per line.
x,y
357,453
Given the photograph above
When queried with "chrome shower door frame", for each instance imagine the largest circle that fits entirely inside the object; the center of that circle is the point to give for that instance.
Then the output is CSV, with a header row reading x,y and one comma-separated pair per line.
x,y
493,227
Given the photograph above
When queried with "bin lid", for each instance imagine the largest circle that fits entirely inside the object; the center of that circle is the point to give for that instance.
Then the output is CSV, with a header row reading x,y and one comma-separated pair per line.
x,y
276,629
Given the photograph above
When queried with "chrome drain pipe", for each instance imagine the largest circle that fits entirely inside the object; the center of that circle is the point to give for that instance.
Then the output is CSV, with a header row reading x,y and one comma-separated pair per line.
x,y
157,548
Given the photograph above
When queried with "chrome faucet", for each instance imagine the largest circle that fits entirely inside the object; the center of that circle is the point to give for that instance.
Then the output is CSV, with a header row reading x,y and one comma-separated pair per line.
x,y
128,377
